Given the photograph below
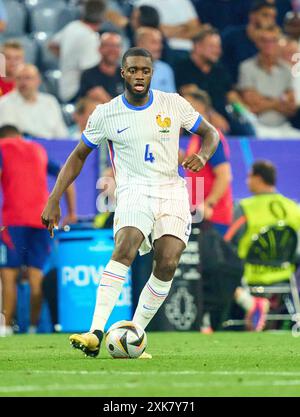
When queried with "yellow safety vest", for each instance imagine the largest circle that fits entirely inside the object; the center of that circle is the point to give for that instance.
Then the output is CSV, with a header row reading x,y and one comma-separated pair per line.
x,y
266,210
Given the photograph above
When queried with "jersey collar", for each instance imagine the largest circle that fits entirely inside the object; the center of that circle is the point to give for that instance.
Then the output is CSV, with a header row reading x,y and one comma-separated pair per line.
x,y
145,106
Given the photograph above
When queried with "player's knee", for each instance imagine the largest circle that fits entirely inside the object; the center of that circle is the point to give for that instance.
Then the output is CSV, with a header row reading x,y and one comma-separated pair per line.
x,y
166,266
124,253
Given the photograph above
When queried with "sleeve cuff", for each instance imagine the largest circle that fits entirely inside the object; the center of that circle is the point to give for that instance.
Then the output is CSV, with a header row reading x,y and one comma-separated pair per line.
x,y
88,143
196,125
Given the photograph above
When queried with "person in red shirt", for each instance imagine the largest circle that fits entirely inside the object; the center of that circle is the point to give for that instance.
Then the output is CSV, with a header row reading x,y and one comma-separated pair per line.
x,y
24,166
218,201
13,53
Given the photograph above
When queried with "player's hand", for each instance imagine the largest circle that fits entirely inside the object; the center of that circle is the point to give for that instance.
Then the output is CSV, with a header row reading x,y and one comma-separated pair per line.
x,y
51,215
194,162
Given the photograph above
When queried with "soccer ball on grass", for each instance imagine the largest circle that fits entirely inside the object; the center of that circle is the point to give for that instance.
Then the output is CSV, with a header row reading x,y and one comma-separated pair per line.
x,y
125,340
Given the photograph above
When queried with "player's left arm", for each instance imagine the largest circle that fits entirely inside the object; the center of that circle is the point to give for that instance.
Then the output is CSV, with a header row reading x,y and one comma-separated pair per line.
x,y
210,140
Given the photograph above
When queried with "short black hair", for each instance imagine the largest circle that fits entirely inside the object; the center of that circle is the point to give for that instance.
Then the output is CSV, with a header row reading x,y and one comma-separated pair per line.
x,y
266,170
7,131
149,17
136,52
93,11
256,5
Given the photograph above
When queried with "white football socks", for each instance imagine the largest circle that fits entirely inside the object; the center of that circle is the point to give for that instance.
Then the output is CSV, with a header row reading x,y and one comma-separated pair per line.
x,y
153,295
244,299
109,290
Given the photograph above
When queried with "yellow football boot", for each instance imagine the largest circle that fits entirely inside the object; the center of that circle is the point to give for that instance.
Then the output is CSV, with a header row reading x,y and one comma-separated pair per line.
x,y
89,343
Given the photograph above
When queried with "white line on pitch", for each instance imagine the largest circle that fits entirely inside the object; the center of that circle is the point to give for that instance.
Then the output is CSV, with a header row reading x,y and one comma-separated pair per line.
x,y
102,387
145,372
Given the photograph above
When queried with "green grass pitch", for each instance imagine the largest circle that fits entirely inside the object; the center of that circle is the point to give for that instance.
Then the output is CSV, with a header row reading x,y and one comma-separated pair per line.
x,y
183,364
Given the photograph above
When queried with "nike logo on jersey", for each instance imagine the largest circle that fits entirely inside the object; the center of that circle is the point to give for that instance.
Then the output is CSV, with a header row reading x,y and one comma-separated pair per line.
x,y
122,130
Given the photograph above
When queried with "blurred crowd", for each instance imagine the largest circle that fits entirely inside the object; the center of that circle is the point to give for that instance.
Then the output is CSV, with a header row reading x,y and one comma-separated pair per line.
x,y
64,55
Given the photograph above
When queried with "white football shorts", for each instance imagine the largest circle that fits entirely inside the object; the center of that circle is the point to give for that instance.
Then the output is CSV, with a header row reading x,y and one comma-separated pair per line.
x,y
154,216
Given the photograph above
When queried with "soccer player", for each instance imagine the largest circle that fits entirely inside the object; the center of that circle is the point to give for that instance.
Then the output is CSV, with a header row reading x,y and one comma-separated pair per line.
x,y
142,130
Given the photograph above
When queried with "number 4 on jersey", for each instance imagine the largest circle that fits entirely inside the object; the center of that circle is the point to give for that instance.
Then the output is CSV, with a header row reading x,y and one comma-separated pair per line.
x,y
149,155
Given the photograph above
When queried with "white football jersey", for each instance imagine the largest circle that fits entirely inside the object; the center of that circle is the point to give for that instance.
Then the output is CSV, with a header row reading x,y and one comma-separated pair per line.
x,y
143,141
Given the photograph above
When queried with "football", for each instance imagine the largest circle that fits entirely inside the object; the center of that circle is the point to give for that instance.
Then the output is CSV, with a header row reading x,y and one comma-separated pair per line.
x,y
125,340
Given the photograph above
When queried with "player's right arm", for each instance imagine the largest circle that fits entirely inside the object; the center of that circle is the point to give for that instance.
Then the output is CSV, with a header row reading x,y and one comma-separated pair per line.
x,y
71,169
92,137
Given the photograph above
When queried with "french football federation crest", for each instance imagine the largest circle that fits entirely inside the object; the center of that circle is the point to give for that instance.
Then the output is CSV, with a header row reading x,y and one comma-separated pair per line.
x,y
165,123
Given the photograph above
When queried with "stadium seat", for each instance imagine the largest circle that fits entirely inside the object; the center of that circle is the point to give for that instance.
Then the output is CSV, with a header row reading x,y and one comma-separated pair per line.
x,y
46,59
17,17
51,80
68,111
32,4
46,18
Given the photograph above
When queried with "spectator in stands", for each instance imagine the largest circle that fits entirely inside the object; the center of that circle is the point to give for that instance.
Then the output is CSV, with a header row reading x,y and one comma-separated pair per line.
x,y
77,46
223,14
218,203
239,43
179,23
24,240
163,77
272,207
289,53
104,82
3,17
34,113
265,83
143,16
291,25
13,53
84,108
204,69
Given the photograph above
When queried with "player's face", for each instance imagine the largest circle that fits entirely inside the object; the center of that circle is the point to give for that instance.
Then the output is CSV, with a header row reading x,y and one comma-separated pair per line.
x,y
137,74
